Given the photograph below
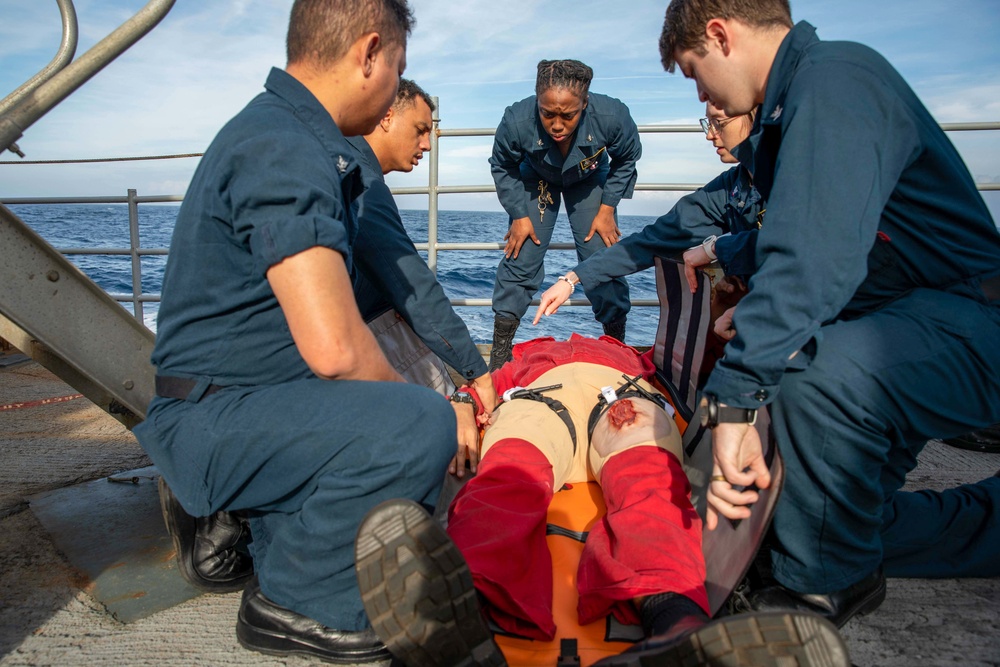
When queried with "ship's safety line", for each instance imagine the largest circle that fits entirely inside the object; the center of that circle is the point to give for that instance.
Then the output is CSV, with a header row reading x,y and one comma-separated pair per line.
x,y
43,401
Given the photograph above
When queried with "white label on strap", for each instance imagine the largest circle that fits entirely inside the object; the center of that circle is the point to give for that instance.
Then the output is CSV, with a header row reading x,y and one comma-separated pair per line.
x,y
609,394
507,394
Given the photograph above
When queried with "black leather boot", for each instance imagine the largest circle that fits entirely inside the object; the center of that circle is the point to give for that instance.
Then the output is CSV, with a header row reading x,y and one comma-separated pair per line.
x,y
269,628
504,329
984,440
615,329
211,550
838,607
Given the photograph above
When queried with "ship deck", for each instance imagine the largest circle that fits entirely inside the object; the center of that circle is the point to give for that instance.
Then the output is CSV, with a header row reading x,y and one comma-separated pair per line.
x,y
56,609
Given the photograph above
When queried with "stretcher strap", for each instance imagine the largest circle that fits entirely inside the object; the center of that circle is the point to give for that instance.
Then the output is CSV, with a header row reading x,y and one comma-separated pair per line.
x,y
556,406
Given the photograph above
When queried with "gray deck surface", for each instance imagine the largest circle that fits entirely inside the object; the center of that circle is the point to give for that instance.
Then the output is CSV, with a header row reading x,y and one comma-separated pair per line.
x,y
47,616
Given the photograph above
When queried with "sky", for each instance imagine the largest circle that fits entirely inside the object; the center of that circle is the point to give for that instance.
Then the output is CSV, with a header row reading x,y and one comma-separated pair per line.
x,y
177,86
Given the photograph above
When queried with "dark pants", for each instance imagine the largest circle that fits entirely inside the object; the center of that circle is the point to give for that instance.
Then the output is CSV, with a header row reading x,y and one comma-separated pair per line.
x,y
850,425
519,279
308,459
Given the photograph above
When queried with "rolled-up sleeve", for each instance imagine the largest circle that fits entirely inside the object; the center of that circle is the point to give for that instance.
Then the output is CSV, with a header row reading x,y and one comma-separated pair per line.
x,y
283,204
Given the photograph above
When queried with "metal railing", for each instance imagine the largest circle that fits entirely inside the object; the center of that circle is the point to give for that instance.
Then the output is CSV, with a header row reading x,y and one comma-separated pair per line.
x,y
58,80
433,190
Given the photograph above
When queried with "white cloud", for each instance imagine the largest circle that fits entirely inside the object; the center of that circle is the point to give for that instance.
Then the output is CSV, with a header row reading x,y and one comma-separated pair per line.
x,y
172,91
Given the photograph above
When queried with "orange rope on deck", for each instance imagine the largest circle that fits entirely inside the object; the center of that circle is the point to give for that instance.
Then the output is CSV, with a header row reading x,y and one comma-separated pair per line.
x,y
43,401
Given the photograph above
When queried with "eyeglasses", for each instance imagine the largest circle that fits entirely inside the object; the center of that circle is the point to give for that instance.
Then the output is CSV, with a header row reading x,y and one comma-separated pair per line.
x,y
715,125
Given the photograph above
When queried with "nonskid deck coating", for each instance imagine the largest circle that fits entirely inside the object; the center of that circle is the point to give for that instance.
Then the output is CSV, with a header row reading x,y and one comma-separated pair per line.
x,y
47,618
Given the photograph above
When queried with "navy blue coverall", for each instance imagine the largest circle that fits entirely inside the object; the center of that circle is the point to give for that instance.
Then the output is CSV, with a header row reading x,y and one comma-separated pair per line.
x,y
873,271
306,457
598,169
390,273
728,204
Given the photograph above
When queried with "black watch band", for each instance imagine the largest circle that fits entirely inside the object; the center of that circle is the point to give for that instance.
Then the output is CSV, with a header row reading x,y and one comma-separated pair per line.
x,y
463,397
713,414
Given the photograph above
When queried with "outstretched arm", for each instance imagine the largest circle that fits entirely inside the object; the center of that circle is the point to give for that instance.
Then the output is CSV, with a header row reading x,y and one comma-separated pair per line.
x,y
556,296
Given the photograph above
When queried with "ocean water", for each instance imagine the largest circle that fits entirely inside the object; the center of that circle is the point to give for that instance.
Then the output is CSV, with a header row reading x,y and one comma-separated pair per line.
x,y
463,274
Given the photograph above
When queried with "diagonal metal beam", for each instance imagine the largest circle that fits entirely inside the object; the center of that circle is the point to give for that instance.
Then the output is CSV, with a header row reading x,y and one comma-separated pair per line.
x,y
70,325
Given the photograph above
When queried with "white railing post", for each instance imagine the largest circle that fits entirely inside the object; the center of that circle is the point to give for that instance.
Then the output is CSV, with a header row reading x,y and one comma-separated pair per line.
x,y
432,191
133,234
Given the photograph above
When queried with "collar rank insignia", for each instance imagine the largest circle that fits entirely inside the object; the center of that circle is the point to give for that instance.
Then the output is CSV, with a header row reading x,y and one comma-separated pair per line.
x,y
776,114
539,142
590,163
590,138
341,164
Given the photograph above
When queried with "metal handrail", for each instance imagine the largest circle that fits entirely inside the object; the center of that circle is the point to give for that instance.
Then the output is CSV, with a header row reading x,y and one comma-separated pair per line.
x,y
30,105
67,49
433,190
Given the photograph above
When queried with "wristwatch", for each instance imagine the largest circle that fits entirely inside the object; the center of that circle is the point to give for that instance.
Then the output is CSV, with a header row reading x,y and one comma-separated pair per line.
x,y
708,245
713,414
463,397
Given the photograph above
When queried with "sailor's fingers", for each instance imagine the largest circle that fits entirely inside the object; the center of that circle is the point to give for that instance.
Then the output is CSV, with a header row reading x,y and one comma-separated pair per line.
x,y
611,238
509,246
724,325
473,456
759,467
453,466
728,501
539,312
711,518
553,297
691,276
544,308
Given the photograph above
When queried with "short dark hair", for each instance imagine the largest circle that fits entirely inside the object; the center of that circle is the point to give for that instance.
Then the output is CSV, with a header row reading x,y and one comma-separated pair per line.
x,y
569,74
684,24
321,31
407,93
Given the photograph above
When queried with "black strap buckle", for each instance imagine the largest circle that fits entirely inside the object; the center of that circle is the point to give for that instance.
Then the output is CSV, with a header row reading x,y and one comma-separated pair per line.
x,y
636,392
535,394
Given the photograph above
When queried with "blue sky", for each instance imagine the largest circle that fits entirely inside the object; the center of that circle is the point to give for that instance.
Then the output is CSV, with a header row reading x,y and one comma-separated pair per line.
x,y
172,91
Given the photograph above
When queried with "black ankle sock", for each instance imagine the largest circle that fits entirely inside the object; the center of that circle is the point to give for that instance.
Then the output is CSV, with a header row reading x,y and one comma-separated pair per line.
x,y
662,611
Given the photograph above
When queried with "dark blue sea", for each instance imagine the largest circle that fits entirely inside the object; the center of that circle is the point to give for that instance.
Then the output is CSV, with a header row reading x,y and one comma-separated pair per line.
x,y
463,274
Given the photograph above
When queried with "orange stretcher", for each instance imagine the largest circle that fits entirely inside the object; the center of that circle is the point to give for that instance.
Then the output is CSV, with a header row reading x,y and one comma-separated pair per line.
x,y
678,353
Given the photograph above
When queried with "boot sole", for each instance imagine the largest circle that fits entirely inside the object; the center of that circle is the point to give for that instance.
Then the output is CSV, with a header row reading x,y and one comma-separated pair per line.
x,y
759,639
418,591
181,528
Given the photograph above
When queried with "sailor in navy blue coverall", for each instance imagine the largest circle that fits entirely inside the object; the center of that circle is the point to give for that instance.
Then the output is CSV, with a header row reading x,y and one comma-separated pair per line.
x,y
871,322
306,439
728,207
390,273
545,152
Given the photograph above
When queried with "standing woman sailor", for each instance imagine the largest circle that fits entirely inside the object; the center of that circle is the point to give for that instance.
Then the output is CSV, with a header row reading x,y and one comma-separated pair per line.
x,y
563,143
